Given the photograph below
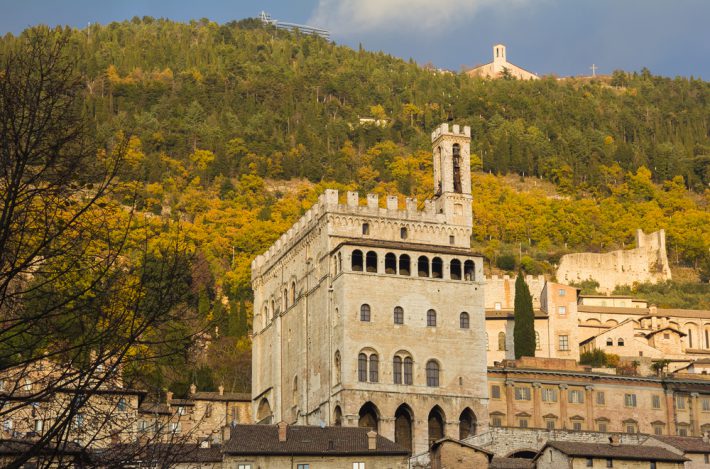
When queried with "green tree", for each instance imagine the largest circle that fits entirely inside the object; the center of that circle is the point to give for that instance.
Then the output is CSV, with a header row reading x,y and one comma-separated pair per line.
x,y
524,330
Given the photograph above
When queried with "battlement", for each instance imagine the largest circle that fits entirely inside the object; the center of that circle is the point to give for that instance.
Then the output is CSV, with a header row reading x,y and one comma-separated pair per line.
x,y
369,207
443,129
528,278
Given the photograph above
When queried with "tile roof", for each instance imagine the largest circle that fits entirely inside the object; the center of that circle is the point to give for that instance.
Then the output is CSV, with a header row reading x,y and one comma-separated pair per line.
x,y
227,396
605,450
166,453
688,444
307,440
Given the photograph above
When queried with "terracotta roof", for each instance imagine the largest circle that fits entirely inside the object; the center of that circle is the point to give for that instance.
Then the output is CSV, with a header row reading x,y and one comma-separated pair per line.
x,y
166,453
307,440
605,450
510,314
227,396
462,443
511,463
667,328
155,408
687,444
611,310
684,313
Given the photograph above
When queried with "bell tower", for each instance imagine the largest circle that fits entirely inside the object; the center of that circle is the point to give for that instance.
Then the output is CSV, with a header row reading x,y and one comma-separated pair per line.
x,y
452,173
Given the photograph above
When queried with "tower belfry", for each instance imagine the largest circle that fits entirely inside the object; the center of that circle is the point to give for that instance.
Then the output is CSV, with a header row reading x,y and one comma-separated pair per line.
x,y
451,148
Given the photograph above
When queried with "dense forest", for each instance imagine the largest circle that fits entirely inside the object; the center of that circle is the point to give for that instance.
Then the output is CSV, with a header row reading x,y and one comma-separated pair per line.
x,y
235,129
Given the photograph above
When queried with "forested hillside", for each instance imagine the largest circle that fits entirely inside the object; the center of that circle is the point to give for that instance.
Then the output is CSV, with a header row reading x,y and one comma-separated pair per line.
x,y
235,129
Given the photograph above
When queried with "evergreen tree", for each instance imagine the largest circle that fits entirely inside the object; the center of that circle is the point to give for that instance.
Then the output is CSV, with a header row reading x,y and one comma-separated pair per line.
x,y
524,331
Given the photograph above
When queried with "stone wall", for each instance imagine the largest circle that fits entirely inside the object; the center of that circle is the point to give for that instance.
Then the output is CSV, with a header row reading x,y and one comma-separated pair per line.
x,y
648,262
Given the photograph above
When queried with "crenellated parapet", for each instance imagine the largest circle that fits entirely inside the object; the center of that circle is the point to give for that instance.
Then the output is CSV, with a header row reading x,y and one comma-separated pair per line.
x,y
456,129
367,208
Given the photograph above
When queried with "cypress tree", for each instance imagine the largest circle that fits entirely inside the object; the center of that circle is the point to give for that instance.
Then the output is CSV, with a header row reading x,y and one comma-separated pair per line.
x,y
524,330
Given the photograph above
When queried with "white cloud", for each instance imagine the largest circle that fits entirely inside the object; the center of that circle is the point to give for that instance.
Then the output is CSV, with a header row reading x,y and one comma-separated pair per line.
x,y
344,17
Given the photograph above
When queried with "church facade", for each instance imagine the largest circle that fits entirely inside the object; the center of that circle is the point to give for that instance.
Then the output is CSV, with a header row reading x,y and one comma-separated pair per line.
x,y
373,316
500,67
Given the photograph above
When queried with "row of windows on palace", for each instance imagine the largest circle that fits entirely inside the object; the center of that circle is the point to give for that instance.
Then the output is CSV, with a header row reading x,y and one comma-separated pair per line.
x,y
398,316
577,396
402,265
368,369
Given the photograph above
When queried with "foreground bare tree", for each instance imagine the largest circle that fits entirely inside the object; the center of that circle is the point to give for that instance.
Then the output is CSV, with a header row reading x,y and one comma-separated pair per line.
x,y
84,291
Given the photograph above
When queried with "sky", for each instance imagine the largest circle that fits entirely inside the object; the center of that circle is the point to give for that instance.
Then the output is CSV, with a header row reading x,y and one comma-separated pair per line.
x,y
563,37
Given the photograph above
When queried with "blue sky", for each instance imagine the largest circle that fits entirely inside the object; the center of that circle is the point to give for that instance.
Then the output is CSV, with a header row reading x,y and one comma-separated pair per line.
x,y
670,37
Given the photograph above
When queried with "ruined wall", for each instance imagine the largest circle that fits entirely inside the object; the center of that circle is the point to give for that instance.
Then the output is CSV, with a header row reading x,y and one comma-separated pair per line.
x,y
648,262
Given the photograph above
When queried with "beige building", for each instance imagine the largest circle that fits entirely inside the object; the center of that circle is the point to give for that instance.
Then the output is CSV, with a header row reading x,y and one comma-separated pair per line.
x,y
559,394
500,67
358,308
556,319
647,262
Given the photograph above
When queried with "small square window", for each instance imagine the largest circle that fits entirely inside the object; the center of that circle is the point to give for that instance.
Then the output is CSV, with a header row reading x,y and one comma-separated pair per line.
x,y
304,466
403,233
590,462
497,306
562,310
366,228
562,292
358,465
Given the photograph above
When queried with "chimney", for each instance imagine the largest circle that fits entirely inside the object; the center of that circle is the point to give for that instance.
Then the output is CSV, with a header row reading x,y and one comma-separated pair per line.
x,y
283,427
372,440
226,433
193,389
221,390
614,440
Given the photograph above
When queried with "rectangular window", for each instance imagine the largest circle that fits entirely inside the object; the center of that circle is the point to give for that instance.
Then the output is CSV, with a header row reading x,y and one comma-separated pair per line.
x,y
630,400
496,422
550,424
577,425
653,465
609,462
523,423
564,342
358,465
243,466
630,428
658,430
602,427
303,466
549,395
706,404
682,431
7,425
679,402
601,399
495,392
562,310
656,401
39,425
590,462
522,394
707,458
562,292
497,306
575,396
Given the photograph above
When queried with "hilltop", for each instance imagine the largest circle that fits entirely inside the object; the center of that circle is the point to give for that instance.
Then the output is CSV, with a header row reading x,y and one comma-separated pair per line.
x,y
237,128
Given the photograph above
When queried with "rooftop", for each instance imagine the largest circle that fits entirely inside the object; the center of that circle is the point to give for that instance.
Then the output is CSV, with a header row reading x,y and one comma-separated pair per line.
x,y
307,440
605,450
687,444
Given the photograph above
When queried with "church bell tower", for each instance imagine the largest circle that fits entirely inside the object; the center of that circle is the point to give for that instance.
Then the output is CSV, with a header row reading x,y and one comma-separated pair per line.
x,y
452,173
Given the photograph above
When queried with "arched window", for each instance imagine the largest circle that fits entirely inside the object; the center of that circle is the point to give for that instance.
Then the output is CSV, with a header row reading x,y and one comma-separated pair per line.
x,y
390,263
337,416
538,346
403,232
468,271
374,368
436,424
423,266
337,366
357,261
263,413
365,313
431,318
609,342
404,265
340,262
464,320
365,228
397,369
432,374
455,269
690,338
408,370
362,368
467,424
437,268
286,299
620,342
403,426
369,416
273,309
398,315
501,341
293,293
456,150
294,397
371,261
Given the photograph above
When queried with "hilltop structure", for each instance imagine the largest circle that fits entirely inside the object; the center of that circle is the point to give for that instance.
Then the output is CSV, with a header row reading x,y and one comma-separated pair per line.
x,y
648,262
500,67
374,317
